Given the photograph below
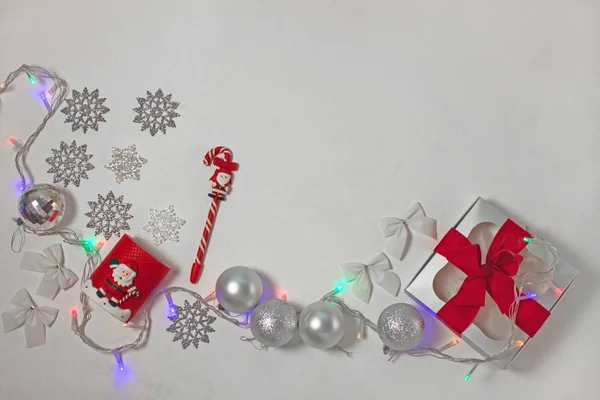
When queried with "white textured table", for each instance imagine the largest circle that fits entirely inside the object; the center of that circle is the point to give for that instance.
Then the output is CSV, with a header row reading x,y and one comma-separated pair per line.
x,y
338,112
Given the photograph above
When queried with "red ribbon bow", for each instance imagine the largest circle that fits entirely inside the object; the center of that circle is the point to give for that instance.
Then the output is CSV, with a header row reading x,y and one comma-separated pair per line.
x,y
494,277
228,165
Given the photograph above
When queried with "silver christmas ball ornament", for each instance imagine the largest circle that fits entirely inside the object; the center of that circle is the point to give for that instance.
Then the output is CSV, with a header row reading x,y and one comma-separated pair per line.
x,y
400,327
273,322
239,289
321,325
41,207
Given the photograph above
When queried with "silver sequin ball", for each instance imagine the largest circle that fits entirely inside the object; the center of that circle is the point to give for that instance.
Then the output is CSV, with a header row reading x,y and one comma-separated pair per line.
x,y
41,207
273,322
400,327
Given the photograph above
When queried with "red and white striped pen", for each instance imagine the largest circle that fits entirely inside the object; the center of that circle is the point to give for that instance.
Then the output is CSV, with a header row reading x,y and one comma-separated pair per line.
x,y
221,180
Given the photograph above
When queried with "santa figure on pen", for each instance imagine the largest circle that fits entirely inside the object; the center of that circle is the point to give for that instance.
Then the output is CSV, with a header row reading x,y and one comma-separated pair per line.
x,y
117,286
220,182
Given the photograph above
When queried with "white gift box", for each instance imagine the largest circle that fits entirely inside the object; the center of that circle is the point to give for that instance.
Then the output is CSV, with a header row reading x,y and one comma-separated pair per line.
x,y
438,281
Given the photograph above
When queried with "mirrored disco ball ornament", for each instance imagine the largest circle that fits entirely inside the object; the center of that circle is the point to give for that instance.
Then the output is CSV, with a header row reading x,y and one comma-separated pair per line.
x,y
321,325
400,327
239,289
41,207
274,322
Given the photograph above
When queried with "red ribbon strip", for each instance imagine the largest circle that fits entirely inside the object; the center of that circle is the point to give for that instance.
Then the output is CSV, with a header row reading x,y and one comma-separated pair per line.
x,y
494,277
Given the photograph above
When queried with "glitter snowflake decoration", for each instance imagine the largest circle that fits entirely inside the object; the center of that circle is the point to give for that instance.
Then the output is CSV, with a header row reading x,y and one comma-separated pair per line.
x,y
85,110
191,324
70,163
156,112
109,215
164,225
125,163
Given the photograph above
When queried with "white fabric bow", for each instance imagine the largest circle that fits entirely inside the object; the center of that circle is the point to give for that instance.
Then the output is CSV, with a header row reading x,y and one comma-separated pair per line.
x,y
397,230
36,318
379,269
52,264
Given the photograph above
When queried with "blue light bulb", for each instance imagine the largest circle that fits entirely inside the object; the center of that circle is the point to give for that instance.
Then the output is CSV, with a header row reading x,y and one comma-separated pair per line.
x,y
119,361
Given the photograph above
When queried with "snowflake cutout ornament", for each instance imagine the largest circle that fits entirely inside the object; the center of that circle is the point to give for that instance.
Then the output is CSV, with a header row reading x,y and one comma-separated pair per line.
x,y
85,110
191,324
70,163
156,112
125,163
164,225
109,215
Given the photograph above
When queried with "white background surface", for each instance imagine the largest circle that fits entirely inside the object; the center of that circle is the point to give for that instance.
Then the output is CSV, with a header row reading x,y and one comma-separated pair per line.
x,y
338,112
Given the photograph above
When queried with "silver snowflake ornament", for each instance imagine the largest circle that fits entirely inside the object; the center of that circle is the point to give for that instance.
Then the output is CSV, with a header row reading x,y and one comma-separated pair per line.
x,y
85,110
125,163
156,112
191,324
70,163
109,215
164,225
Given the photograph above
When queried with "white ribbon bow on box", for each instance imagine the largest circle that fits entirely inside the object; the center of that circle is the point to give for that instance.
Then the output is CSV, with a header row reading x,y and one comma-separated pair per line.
x,y
36,318
397,230
379,269
52,264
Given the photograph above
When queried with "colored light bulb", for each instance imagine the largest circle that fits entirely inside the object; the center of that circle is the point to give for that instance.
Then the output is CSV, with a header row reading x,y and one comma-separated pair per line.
x,y
119,360
45,101
468,376
452,343
87,245
361,329
172,307
30,76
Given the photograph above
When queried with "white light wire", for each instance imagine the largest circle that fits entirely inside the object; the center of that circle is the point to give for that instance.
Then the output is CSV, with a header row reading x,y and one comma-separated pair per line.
x,y
59,92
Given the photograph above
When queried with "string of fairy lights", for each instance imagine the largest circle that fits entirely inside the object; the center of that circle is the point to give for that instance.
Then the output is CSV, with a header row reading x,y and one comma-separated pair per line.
x,y
52,99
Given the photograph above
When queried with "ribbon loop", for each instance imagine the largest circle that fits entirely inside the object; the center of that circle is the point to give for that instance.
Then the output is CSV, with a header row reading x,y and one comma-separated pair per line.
x,y
34,317
52,264
493,276
379,270
398,230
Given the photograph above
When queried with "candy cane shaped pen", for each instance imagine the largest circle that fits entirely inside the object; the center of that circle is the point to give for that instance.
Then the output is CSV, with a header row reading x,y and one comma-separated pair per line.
x,y
221,181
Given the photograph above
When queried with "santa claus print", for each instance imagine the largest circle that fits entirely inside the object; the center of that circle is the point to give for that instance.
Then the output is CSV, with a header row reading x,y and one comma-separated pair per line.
x,y
221,180
118,286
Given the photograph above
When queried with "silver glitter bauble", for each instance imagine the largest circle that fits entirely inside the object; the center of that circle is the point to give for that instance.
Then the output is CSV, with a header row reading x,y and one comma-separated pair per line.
x,y
321,325
239,289
273,322
41,207
400,327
